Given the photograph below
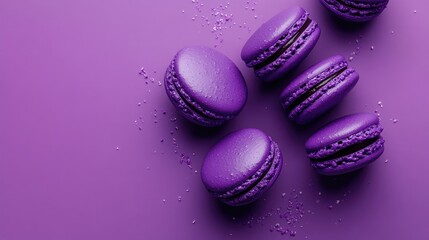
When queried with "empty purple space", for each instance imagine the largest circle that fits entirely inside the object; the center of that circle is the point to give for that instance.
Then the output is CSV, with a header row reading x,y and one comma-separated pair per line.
x,y
92,148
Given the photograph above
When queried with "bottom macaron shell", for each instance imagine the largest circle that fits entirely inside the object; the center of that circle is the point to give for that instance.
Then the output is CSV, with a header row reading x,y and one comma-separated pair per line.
x,y
182,106
326,101
264,184
290,59
350,166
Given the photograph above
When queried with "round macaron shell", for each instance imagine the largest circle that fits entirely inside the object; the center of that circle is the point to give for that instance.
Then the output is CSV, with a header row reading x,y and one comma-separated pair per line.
x,y
297,57
346,168
341,13
234,159
270,32
328,100
211,79
340,129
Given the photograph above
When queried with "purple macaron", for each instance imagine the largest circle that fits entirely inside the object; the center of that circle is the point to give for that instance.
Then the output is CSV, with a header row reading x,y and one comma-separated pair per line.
x,y
318,89
346,144
280,44
205,86
242,166
355,10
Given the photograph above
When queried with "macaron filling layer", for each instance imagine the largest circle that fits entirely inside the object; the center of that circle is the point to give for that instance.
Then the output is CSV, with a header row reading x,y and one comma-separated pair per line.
x,y
185,102
356,8
349,150
316,88
257,183
285,47
296,46
282,41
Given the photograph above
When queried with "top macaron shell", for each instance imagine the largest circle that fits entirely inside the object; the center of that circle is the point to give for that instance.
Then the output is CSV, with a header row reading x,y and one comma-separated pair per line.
x,y
211,79
339,130
264,40
235,159
356,10
330,97
205,86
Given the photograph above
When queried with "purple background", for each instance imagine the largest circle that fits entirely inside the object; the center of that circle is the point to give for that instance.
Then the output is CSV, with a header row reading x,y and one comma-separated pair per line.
x,y
91,149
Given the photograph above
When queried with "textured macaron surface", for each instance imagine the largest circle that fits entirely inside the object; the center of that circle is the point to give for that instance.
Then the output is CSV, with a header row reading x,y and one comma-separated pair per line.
x,y
235,159
281,43
346,144
271,32
211,80
312,77
242,166
318,89
356,10
258,183
340,129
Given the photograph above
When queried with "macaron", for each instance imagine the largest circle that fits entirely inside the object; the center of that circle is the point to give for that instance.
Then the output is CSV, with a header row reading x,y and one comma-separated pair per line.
x,y
355,10
241,167
205,86
346,144
318,89
281,43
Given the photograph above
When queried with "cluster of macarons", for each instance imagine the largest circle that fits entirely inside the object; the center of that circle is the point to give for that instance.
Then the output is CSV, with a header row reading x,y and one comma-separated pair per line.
x,y
208,89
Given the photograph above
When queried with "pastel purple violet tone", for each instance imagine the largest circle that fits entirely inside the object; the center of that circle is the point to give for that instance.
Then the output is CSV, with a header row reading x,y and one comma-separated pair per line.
x,y
242,166
205,86
280,44
318,89
346,144
355,10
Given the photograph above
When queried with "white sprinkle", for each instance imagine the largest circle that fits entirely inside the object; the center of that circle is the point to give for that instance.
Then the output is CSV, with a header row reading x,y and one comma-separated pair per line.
x,y
194,221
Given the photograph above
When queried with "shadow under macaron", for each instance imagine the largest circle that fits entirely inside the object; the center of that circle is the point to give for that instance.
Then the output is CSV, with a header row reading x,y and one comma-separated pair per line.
x,y
345,26
341,183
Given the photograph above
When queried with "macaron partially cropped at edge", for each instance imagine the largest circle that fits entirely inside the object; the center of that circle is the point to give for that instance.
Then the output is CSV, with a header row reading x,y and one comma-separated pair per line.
x,y
346,144
205,86
241,167
280,44
318,89
355,10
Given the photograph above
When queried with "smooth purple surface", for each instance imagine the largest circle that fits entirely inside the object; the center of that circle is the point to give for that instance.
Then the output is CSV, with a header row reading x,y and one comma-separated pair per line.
x,y
70,93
